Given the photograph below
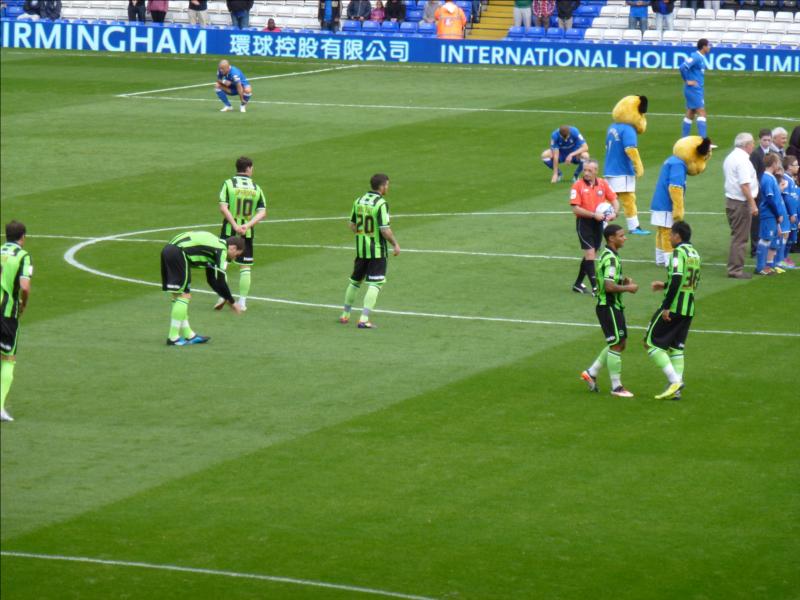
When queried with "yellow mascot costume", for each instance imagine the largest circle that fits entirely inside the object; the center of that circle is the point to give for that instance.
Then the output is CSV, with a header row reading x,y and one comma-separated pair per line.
x,y
623,163
689,157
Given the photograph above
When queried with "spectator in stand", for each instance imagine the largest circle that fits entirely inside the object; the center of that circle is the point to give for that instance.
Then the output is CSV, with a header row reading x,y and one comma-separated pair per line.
x,y
637,18
158,10
378,13
694,4
271,27
778,145
329,13
794,143
477,7
395,11
429,14
665,19
757,158
565,8
450,21
714,5
136,10
240,13
522,13
30,10
741,189
359,10
542,10
198,12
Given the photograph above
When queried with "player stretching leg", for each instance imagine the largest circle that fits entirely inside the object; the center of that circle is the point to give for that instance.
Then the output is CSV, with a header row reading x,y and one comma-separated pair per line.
x,y
610,313
232,82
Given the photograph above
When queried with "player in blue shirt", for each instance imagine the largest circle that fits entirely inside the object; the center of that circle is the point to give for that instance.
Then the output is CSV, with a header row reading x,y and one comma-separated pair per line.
x,y
791,197
693,74
770,216
232,82
566,145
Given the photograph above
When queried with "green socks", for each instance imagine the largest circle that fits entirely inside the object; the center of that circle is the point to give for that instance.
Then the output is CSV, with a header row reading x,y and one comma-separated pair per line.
x,y
6,377
179,319
676,358
370,298
350,297
661,358
599,362
614,361
244,283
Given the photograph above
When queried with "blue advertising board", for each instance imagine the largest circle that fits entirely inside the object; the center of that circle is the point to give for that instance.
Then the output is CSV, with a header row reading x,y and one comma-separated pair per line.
x,y
184,40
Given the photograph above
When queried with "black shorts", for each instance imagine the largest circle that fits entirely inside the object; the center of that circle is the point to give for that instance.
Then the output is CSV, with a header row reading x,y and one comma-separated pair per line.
x,y
374,269
247,257
668,334
612,322
9,332
590,233
176,276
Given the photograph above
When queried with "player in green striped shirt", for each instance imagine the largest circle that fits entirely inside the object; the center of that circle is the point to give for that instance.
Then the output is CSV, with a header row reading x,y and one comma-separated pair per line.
x,y
195,250
669,327
243,204
369,221
16,270
610,312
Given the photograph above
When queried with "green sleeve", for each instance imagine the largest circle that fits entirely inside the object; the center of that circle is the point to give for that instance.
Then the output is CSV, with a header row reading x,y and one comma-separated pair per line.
x,y
224,194
383,215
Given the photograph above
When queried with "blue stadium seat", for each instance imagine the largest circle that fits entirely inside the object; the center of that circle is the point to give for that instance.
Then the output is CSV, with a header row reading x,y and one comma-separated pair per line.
x,y
587,10
553,20
370,26
554,33
465,6
390,26
408,27
351,26
515,33
427,29
535,32
413,14
574,34
12,12
582,22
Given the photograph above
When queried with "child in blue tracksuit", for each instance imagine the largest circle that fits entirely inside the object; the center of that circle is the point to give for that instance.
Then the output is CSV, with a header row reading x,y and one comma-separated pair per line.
x,y
770,213
791,198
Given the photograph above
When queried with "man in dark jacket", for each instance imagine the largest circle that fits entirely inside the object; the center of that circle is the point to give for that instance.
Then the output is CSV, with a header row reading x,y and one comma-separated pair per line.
x,y
359,10
757,158
665,20
136,10
395,10
329,13
565,8
240,12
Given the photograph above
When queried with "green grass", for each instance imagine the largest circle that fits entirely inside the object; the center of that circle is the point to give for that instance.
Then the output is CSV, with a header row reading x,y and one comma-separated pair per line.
x,y
441,457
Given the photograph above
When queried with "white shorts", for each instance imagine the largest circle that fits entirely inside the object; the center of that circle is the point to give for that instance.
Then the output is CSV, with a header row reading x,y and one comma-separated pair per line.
x,y
622,183
661,218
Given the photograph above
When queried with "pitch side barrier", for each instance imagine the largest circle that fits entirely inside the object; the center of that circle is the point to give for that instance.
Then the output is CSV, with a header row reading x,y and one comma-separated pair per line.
x,y
182,40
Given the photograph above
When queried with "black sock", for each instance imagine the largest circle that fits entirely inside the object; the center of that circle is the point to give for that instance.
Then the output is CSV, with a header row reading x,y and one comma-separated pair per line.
x,y
581,273
589,268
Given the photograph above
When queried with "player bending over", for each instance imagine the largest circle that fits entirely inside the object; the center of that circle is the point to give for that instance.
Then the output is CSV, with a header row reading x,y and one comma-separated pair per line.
x,y
232,82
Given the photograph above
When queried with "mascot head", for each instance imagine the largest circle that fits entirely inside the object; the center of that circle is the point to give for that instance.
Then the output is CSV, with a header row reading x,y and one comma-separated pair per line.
x,y
631,110
694,151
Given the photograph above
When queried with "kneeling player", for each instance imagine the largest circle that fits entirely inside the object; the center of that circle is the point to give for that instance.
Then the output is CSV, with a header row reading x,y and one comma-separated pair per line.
x,y
610,313
669,327
567,145
232,82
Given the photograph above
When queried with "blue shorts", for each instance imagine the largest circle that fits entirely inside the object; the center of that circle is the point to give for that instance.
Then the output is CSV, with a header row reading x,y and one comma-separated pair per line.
x,y
562,157
694,98
768,230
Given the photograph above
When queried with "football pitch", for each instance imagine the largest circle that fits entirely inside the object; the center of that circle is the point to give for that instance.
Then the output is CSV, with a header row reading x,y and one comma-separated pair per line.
x,y
453,452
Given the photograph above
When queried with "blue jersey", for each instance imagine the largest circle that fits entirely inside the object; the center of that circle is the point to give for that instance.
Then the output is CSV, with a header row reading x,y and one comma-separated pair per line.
x,y
566,145
233,77
673,172
619,137
770,194
694,69
791,198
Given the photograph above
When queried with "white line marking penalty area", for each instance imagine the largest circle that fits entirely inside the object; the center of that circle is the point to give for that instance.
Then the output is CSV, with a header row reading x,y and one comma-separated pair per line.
x,y
218,573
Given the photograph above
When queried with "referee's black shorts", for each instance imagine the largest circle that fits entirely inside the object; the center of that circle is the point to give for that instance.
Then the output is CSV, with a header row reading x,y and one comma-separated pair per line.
x,y
612,322
590,233
668,334
176,276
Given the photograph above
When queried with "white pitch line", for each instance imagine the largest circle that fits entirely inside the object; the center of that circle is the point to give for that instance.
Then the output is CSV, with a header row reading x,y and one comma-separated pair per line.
x,y
199,571
197,85
444,108
69,257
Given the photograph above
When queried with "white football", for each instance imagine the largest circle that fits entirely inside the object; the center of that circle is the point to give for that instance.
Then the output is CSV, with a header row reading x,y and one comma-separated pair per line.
x,y
604,209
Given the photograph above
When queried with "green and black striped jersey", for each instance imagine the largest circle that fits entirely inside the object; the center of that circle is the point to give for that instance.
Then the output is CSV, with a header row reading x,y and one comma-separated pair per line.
x,y
609,268
15,264
683,275
203,249
370,214
244,198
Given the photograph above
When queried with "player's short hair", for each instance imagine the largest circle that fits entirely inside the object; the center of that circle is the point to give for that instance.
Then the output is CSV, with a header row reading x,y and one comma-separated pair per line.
x,y
378,180
564,130
243,163
237,241
743,139
702,43
610,231
772,159
682,229
14,231
764,132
